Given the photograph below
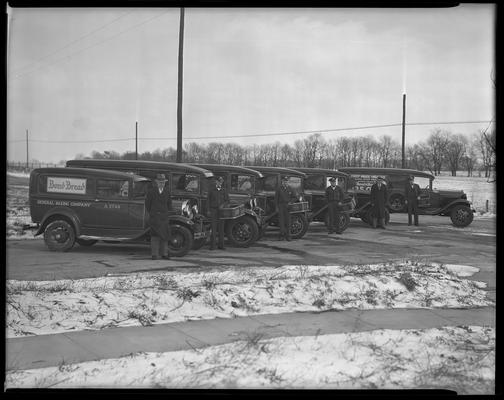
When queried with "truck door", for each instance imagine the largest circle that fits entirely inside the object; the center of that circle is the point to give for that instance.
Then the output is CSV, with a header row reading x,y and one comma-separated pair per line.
x,y
110,211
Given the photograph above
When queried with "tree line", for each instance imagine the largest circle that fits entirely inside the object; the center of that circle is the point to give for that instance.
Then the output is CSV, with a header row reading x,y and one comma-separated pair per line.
x,y
442,150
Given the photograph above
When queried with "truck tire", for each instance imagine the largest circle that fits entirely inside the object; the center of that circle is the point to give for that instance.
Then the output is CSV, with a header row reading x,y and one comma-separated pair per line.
x,y
397,203
299,226
59,235
242,232
461,215
181,240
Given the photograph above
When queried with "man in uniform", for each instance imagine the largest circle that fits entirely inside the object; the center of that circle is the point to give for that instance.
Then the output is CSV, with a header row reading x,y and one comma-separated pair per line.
x,y
334,197
283,196
217,199
379,199
412,196
158,204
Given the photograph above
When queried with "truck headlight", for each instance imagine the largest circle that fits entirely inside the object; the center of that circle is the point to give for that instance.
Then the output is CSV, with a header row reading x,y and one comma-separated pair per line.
x,y
187,210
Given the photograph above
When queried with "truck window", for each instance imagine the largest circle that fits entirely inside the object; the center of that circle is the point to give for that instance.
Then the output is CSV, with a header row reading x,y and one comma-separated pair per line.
x,y
315,182
270,183
112,189
242,183
140,189
185,183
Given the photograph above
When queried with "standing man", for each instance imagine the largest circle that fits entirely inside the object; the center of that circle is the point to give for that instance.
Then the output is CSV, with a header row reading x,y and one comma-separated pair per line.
x,y
379,199
283,196
158,204
334,197
217,199
412,197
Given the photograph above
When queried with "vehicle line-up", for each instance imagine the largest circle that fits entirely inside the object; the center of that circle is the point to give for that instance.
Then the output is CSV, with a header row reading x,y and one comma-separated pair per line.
x,y
91,200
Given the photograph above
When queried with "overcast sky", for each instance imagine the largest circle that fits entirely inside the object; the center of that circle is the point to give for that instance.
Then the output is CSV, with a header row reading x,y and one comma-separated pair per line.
x,y
79,79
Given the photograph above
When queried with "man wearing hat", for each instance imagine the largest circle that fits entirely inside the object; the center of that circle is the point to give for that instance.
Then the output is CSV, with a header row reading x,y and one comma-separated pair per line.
x,y
334,197
379,200
283,196
412,192
217,199
158,204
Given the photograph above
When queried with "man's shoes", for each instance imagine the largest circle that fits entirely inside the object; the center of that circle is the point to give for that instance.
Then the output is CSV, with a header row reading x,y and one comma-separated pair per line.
x,y
212,247
155,257
288,239
222,248
382,227
409,224
337,233
166,257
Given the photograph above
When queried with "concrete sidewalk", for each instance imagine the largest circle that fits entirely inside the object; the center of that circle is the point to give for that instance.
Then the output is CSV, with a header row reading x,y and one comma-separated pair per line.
x,y
73,347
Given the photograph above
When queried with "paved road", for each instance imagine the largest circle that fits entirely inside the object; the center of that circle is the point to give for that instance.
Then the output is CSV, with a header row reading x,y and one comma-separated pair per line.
x,y
436,239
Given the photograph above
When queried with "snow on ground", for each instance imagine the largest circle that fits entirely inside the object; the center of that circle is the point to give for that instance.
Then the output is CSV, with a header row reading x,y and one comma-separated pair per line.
x,y
19,174
454,358
43,307
477,189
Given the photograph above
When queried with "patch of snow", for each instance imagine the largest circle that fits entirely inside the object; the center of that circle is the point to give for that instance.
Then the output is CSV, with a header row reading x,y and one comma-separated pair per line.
x,y
42,307
19,174
380,359
461,270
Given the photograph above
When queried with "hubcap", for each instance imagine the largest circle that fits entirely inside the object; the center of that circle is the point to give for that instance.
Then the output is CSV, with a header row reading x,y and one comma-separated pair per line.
x,y
242,232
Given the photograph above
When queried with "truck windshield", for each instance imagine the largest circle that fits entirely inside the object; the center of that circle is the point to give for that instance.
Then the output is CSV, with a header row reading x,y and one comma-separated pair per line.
x,y
186,183
242,183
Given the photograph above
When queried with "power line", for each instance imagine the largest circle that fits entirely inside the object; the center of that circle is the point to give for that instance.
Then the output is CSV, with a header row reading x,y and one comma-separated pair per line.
x,y
71,43
262,134
67,57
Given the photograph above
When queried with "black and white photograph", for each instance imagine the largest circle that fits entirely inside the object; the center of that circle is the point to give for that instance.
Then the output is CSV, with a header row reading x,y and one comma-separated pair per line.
x,y
219,198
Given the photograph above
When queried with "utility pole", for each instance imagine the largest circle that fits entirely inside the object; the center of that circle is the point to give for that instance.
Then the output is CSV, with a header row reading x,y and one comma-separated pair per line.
x,y
27,149
180,81
403,127
136,140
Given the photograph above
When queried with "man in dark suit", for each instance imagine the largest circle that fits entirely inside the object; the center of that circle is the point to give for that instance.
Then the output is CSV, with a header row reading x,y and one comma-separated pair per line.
x,y
379,200
283,196
218,198
412,192
334,197
158,204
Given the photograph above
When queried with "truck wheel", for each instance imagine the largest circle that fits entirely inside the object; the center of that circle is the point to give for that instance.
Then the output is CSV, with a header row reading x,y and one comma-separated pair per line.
x,y
242,232
344,221
181,240
461,215
397,203
59,235
86,242
299,226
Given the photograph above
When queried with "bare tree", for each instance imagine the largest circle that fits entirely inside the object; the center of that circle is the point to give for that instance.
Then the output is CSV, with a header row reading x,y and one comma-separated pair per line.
x,y
455,150
437,144
470,158
487,147
386,150
286,155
